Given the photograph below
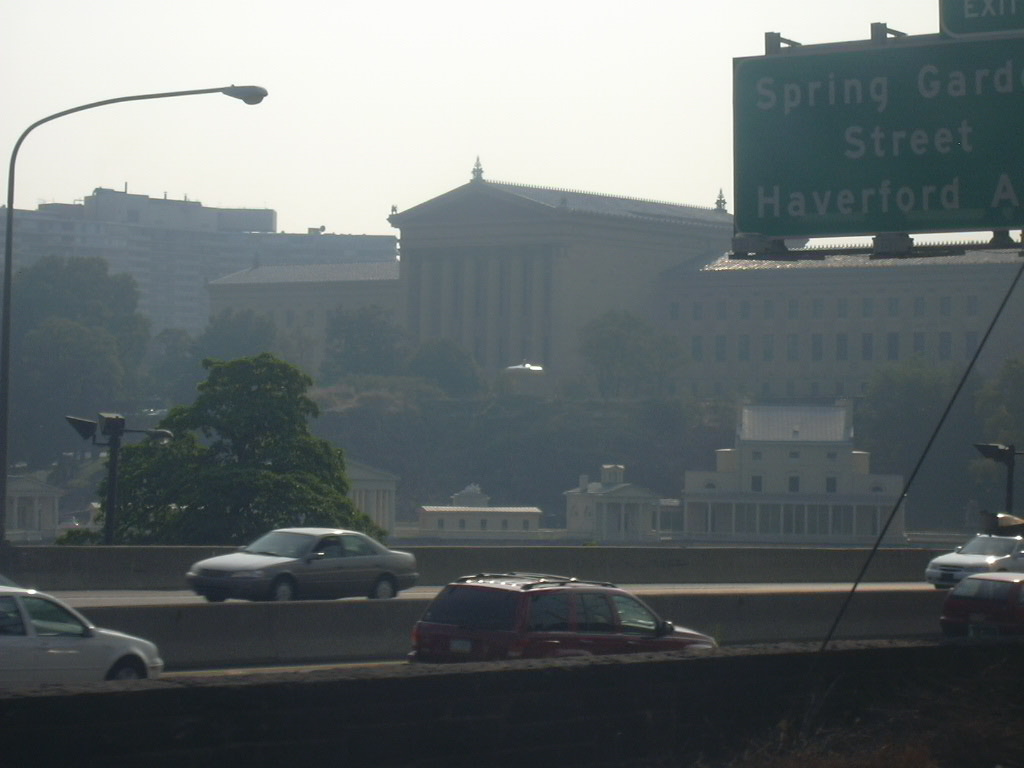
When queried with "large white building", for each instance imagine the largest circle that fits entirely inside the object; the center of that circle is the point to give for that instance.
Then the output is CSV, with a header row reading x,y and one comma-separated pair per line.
x,y
174,248
793,477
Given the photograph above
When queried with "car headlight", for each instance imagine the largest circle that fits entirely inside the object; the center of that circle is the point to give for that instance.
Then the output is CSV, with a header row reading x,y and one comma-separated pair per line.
x,y
247,575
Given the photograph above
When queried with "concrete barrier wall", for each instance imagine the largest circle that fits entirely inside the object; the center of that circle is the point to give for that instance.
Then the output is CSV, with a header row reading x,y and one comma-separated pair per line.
x,y
247,634
640,711
73,568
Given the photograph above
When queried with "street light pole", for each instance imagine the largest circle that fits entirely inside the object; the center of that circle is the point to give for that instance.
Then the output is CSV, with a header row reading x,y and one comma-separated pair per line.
x,y
113,427
1004,454
250,94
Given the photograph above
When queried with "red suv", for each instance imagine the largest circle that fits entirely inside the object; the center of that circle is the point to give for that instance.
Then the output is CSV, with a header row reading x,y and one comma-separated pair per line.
x,y
493,616
985,605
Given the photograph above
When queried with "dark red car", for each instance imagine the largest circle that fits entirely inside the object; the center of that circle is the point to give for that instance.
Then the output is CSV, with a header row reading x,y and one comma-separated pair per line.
x,y
526,616
985,605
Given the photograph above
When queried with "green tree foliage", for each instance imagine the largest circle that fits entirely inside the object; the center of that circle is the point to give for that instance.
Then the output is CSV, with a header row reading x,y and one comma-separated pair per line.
x,y
898,416
1001,405
243,461
76,341
362,342
449,366
628,357
231,335
172,370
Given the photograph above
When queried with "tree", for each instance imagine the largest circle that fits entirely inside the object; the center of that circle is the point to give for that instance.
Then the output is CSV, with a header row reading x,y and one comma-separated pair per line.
x,y
76,343
628,357
243,461
447,365
895,421
231,335
361,342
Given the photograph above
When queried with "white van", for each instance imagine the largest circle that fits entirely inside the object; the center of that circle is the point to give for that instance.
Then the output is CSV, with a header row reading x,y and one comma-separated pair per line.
x,y
983,553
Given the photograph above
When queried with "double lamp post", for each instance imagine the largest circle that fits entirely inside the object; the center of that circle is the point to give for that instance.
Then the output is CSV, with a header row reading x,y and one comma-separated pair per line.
x,y
250,94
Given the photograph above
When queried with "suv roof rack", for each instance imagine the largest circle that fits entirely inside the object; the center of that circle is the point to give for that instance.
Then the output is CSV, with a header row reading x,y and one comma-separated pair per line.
x,y
539,579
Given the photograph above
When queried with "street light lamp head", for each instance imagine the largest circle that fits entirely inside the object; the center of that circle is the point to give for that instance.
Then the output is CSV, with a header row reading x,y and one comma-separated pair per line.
x,y
160,436
995,452
250,94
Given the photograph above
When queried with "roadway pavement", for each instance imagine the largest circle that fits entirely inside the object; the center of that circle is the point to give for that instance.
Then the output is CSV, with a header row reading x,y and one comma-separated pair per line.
x,y
102,598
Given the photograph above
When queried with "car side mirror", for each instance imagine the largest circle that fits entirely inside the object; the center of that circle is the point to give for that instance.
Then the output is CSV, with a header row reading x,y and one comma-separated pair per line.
x,y
666,628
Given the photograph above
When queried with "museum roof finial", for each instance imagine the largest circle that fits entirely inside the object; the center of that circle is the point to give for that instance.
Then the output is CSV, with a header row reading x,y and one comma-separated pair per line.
x,y
478,170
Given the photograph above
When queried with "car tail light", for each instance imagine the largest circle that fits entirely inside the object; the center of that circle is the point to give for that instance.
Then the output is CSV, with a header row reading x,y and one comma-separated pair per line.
x,y
415,637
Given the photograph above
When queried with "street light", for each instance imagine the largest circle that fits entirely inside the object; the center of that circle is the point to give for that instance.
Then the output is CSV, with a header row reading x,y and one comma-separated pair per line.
x,y
1004,454
112,426
250,94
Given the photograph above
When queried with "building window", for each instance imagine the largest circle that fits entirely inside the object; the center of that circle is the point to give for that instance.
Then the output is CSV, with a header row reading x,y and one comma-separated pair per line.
x,y
526,525
792,347
440,523
756,483
768,347
794,309
842,520
919,306
743,347
755,455
945,345
698,311
719,349
722,310
972,305
970,343
745,309
842,308
945,305
745,517
867,346
769,309
867,307
483,524
817,308
697,348
794,484
794,454
504,525
919,344
893,305
831,455
892,346
673,310
817,346
771,515
842,346
831,484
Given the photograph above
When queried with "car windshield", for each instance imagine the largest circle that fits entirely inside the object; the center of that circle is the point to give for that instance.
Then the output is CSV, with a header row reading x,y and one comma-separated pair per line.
x,y
989,545
281,544
983,589
473,608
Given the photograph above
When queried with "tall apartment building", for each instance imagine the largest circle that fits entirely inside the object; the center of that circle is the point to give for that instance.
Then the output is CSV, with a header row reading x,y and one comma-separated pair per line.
x,y
174,248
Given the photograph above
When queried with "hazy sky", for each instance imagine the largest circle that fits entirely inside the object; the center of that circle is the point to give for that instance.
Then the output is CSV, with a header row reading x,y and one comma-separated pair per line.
x,y
375,104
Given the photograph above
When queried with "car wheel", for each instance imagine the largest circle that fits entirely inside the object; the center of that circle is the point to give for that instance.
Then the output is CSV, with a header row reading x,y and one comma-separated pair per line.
x,y
384,589
283,589
214,598
127,669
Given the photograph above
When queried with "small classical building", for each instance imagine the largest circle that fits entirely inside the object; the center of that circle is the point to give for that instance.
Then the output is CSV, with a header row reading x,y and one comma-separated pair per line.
x,y
612,510
32,510
470,516
373,492
793,477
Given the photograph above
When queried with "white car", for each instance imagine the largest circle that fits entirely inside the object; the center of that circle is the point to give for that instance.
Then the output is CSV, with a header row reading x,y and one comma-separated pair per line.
x,y
42,640
982,554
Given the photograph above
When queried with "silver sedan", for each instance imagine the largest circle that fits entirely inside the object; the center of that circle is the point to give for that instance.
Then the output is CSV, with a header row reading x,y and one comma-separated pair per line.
x,y
305,563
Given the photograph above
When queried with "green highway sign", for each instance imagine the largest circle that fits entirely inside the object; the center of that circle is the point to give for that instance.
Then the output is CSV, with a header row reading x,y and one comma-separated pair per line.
x,y
916,134
981,17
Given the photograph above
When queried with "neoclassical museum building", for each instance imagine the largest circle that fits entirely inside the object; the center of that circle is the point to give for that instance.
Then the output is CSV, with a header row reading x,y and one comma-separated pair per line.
x,y
512,272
